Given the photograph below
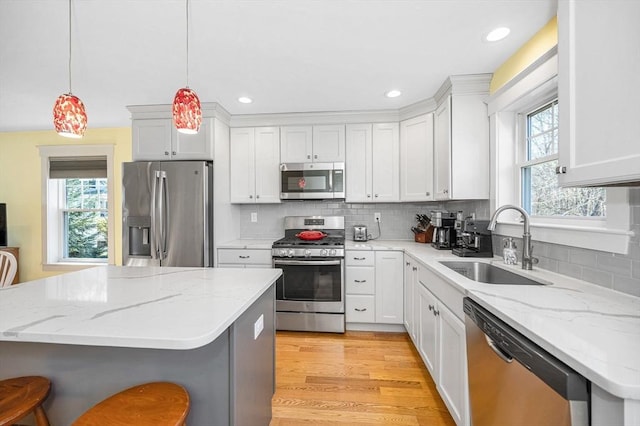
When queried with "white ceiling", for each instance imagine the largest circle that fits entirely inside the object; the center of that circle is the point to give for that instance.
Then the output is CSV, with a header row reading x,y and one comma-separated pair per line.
x,y
288,55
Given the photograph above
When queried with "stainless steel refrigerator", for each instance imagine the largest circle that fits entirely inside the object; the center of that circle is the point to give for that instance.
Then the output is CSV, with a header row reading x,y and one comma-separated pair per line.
x,y
167,213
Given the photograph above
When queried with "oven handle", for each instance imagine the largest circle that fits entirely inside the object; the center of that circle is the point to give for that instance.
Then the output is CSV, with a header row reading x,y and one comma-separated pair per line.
x,y
306,262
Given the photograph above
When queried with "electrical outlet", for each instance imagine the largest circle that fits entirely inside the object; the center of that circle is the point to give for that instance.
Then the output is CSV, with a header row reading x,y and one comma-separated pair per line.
x,y
254,217
376,217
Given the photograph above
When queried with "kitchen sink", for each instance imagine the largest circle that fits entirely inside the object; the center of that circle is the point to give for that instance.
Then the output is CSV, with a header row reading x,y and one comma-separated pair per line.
x,y
488,273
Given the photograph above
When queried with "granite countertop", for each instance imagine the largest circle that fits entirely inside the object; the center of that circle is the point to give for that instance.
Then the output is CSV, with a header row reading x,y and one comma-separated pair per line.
x,y
138,307
593,329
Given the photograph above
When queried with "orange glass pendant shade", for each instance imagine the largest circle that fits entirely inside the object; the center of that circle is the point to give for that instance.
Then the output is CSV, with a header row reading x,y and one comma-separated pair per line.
x,y
187,115
69,116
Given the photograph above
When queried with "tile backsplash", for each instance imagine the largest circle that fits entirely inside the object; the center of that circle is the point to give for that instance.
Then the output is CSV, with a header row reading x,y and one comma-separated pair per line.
x,y
615,271
396,219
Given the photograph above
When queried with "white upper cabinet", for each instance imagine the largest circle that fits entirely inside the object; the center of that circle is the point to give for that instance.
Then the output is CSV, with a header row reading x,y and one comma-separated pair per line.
x,y
304,144
598,92
372,165
254,160
416,159
461,147
157,139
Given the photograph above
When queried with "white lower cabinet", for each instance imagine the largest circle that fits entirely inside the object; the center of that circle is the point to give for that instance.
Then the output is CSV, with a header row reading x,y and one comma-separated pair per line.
x,y
442,343
244,258
373,283
411,299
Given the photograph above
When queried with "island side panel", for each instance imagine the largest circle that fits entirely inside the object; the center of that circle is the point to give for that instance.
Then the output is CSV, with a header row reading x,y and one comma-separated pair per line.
x,y
82,376
253,363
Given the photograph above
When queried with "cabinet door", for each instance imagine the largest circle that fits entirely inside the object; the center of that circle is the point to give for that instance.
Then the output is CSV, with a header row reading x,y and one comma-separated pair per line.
x,y
416,159
389,283
358,163
242,167
267,160
409,322
296,144
442,150
329,143
599,128
151,139
452,377
428,334
194,147
386,162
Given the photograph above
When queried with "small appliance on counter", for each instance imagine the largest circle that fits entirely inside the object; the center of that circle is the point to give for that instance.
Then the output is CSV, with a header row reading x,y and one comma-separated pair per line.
x,y
457,228
443,234
360,233
476,239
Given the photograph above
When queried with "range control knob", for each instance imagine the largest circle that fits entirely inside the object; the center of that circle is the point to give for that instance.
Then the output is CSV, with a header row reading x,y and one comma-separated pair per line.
x,y
332,252
307,253
290,253
282,252
323,252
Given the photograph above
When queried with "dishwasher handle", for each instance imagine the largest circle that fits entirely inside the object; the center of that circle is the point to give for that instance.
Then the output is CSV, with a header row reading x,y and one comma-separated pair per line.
x,y
501,354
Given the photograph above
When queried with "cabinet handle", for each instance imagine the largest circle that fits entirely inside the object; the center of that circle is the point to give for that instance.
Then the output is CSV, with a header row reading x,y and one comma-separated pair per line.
x,y
250,197
308,157
376,195
244,257
446,191
315,156
415,268
257,196
359,258
368,195
360,310
436,313
561,170
359,281
428,194
173,153
166,153
408,263
431,307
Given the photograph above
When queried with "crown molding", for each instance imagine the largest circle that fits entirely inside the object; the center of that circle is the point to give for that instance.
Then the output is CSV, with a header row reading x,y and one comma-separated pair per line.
x,y
209,109
308,118
471,84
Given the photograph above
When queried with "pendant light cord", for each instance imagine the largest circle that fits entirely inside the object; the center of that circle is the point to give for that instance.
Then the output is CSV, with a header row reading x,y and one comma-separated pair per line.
x,y
69,46
187,19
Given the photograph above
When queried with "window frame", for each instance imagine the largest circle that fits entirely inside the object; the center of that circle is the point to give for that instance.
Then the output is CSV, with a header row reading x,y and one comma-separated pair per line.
x,y
52,198
507,109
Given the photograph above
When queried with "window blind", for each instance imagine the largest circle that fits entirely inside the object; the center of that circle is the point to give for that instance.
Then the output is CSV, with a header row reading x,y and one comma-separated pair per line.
x,y
78,167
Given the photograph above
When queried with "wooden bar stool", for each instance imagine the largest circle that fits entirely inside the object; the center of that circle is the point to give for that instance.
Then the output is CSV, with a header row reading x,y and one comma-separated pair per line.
x,y
20,396
149,404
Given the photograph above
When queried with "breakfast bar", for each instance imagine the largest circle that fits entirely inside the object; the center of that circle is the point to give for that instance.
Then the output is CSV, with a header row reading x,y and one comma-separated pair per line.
x,y
98,331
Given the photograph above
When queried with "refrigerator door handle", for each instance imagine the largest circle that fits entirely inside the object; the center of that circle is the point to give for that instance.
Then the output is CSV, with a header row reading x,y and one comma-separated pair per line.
x,y
163,214
154,223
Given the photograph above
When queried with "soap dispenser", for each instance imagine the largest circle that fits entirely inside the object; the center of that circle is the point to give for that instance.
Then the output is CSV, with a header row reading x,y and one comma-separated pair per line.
x,y
509,253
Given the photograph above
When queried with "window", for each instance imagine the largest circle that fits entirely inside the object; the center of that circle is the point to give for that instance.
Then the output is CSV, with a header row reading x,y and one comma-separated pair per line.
x,y
78,205
540,193
524,122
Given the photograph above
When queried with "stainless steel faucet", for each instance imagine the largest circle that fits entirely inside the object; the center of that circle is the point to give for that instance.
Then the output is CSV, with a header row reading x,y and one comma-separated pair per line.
x,y
527,249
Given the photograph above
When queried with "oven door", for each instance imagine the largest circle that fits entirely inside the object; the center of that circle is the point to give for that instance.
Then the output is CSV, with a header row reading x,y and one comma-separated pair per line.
x,y
300,181
310,285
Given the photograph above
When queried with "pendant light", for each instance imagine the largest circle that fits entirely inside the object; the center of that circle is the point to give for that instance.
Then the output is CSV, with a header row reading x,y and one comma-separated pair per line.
x,y
69,116
187,115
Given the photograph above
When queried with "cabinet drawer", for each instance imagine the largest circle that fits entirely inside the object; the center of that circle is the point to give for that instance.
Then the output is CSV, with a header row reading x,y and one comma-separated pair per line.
x,y
444,291
359,258
360,280
360,308
249,256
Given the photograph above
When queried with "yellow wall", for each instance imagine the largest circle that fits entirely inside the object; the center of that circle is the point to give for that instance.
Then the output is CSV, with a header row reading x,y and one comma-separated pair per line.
x,y
20,188
538,45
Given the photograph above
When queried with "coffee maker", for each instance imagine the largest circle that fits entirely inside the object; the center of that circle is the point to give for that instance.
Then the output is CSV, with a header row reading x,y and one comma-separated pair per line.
x,y
476,239
443,233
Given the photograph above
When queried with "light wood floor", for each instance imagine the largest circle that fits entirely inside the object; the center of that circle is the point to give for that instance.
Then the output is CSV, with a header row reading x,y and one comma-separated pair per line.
x,y
356,378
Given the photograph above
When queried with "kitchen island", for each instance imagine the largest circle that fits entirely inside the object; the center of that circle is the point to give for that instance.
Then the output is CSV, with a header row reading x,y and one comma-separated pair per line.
x,y
98,331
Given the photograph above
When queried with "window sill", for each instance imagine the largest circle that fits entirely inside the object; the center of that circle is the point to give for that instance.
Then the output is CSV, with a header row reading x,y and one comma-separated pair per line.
x,y
602,239
69,266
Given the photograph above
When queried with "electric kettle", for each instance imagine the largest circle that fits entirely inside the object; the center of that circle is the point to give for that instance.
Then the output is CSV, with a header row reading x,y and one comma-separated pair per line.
x,y
360,233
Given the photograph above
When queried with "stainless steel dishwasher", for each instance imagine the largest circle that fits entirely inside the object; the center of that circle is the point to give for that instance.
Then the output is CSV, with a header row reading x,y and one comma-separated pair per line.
x,y
512,381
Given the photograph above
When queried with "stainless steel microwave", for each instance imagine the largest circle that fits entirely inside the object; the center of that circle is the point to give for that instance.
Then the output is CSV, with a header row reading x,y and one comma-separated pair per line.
x,y
311,181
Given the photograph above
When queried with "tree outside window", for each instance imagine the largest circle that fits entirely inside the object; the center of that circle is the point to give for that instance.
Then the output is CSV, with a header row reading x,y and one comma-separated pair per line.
x,y
541,195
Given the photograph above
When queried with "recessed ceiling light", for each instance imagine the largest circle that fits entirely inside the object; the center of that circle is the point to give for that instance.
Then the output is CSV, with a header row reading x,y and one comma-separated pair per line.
x,y
245,100
393,93
498,34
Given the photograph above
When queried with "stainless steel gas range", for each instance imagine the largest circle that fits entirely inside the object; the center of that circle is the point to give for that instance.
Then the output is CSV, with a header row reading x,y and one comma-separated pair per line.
x,y
310,292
